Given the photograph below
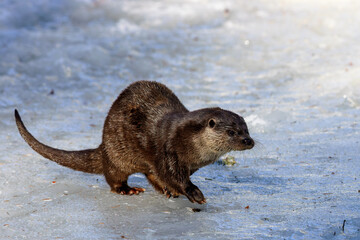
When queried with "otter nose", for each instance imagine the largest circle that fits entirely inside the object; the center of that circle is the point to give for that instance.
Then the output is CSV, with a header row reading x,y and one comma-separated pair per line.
x,y
248,141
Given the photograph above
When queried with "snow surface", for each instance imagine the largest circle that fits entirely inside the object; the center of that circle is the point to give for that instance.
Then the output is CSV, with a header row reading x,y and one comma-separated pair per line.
x,y
290,67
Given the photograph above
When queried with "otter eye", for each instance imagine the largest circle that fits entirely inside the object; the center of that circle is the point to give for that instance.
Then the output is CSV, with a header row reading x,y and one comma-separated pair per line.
x,y
211,123
230,133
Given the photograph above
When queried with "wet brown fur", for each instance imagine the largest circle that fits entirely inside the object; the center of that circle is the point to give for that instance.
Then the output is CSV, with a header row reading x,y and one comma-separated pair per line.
x,y
148,130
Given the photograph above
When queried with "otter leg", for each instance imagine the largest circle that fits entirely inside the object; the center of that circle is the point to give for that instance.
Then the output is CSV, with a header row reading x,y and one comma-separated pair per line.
x,y
117,178
176,174
190,190
180,181
161,187
155,182
118,183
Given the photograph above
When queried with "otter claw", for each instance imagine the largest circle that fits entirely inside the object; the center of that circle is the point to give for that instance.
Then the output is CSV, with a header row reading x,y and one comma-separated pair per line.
x,y
169,194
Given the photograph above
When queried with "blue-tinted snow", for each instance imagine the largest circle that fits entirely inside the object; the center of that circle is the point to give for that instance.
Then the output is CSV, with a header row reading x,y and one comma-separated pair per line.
x,y
291,68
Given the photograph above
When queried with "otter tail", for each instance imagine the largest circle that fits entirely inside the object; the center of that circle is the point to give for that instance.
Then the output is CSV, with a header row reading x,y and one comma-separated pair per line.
x,y
89,160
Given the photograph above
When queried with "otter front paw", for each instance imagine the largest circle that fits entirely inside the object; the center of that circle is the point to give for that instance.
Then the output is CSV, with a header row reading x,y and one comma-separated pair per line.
x,y
194,194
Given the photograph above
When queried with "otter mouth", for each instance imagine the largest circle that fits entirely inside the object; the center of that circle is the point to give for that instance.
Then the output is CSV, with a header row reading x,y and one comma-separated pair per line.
x,y
247,147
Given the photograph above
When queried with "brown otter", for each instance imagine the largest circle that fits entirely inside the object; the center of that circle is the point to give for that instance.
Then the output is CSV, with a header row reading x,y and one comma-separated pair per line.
x,y
148,130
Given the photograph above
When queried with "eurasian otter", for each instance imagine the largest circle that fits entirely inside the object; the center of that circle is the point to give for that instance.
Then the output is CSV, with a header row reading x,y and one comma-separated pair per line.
x,y
148,130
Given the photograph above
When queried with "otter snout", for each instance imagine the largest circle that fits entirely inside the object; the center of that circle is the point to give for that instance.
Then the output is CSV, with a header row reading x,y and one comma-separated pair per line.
x,y
248,143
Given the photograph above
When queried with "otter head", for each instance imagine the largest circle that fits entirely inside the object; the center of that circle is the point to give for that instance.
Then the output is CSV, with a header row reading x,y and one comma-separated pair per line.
x,y
228,132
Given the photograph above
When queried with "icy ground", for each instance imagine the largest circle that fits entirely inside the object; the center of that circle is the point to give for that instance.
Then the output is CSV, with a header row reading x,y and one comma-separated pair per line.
x,y
291,68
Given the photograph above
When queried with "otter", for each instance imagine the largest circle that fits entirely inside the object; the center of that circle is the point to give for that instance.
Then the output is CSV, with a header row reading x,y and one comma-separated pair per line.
x,y
149,131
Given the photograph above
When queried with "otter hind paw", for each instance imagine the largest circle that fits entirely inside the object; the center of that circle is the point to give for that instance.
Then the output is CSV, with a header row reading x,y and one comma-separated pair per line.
x,y
126,190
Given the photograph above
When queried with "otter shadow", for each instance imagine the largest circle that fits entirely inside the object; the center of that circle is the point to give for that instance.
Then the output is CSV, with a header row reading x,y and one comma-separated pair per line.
x,y
236,179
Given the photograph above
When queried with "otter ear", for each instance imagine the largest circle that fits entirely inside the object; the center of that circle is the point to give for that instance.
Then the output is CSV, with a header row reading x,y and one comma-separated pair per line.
x,y
211,123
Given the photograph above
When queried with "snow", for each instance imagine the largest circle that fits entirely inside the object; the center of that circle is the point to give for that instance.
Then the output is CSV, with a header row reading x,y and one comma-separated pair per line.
x,y
291,68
